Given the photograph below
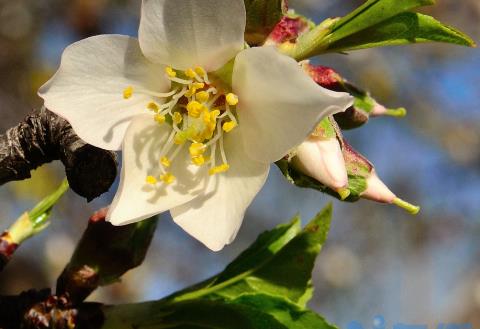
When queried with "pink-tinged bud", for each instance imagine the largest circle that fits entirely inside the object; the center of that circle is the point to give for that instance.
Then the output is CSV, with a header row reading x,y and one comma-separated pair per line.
x,y
325,76
322,159
288,30
376,190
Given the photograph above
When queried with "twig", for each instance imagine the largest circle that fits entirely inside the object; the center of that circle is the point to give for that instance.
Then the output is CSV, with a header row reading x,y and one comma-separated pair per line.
x,y
28,225
103,255
43,137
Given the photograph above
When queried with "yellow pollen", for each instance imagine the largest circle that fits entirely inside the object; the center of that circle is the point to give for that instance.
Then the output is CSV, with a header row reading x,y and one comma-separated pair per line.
x,y
167,178
177,118
194,109
128,92
229,126
218,169
196,149
198,85
165,162
170,72
198,160
159,118
231,99
153,107
200,71
202,96
151,180
190,73
191,91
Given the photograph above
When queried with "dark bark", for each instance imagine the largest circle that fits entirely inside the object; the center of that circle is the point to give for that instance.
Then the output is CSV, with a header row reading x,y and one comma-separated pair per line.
x,y
13,308
103,255
43,137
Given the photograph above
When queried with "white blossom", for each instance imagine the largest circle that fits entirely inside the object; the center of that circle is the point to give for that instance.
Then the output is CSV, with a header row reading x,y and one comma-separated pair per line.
x,y
193,142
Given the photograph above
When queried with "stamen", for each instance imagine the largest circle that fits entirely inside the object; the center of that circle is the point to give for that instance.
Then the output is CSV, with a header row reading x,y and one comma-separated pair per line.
x,y
231,99
151,180
167,178
190,73
159,118
229,126
153,107
128,92
202,96
219,169
181,81
165,162
200,71
177,118
194,109
170,72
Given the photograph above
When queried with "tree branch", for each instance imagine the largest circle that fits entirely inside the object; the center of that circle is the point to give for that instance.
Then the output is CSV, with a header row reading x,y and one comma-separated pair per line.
x,y
43,137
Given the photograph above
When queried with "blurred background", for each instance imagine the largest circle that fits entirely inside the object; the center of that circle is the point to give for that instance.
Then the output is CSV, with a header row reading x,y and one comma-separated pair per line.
x,y
378,259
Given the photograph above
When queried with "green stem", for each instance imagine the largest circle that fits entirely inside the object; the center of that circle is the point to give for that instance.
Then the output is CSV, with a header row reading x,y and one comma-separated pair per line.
x,y
37,219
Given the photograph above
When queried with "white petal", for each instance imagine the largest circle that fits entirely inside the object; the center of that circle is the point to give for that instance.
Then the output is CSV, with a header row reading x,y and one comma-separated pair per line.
x,y
323,160
87,90
279,104
214,218
187,33
135,199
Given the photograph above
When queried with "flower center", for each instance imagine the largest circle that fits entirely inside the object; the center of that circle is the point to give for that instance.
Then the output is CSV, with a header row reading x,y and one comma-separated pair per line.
x,y
199,113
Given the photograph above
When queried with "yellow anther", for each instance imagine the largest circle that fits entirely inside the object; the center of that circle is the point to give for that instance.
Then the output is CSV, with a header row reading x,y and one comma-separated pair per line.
x,y
229,126
177,118
151,180
198,160
194,109
128,92
167,178
190,73
200,71
198,85
153,107
218,169
191,91
180,138
165,162
231,99
170,72
197,149
202,96
159,118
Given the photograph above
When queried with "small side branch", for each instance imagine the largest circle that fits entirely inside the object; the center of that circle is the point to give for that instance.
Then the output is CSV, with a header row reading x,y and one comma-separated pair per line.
x,y
43,137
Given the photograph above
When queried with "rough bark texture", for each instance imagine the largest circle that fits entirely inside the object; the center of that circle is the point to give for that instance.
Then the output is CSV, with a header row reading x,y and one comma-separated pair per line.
x,y
43,137
13,308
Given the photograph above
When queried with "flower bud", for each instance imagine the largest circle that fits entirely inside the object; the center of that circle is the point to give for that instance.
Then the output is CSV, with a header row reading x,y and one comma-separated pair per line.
x,y
359,167
262,18
322,159
364,105
288,30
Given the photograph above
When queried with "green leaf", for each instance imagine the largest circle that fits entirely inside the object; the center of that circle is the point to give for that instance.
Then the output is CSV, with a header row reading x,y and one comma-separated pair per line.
x,y
290,315
249,311
262,250
277,264
402,29
191,314
371,13
262,16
